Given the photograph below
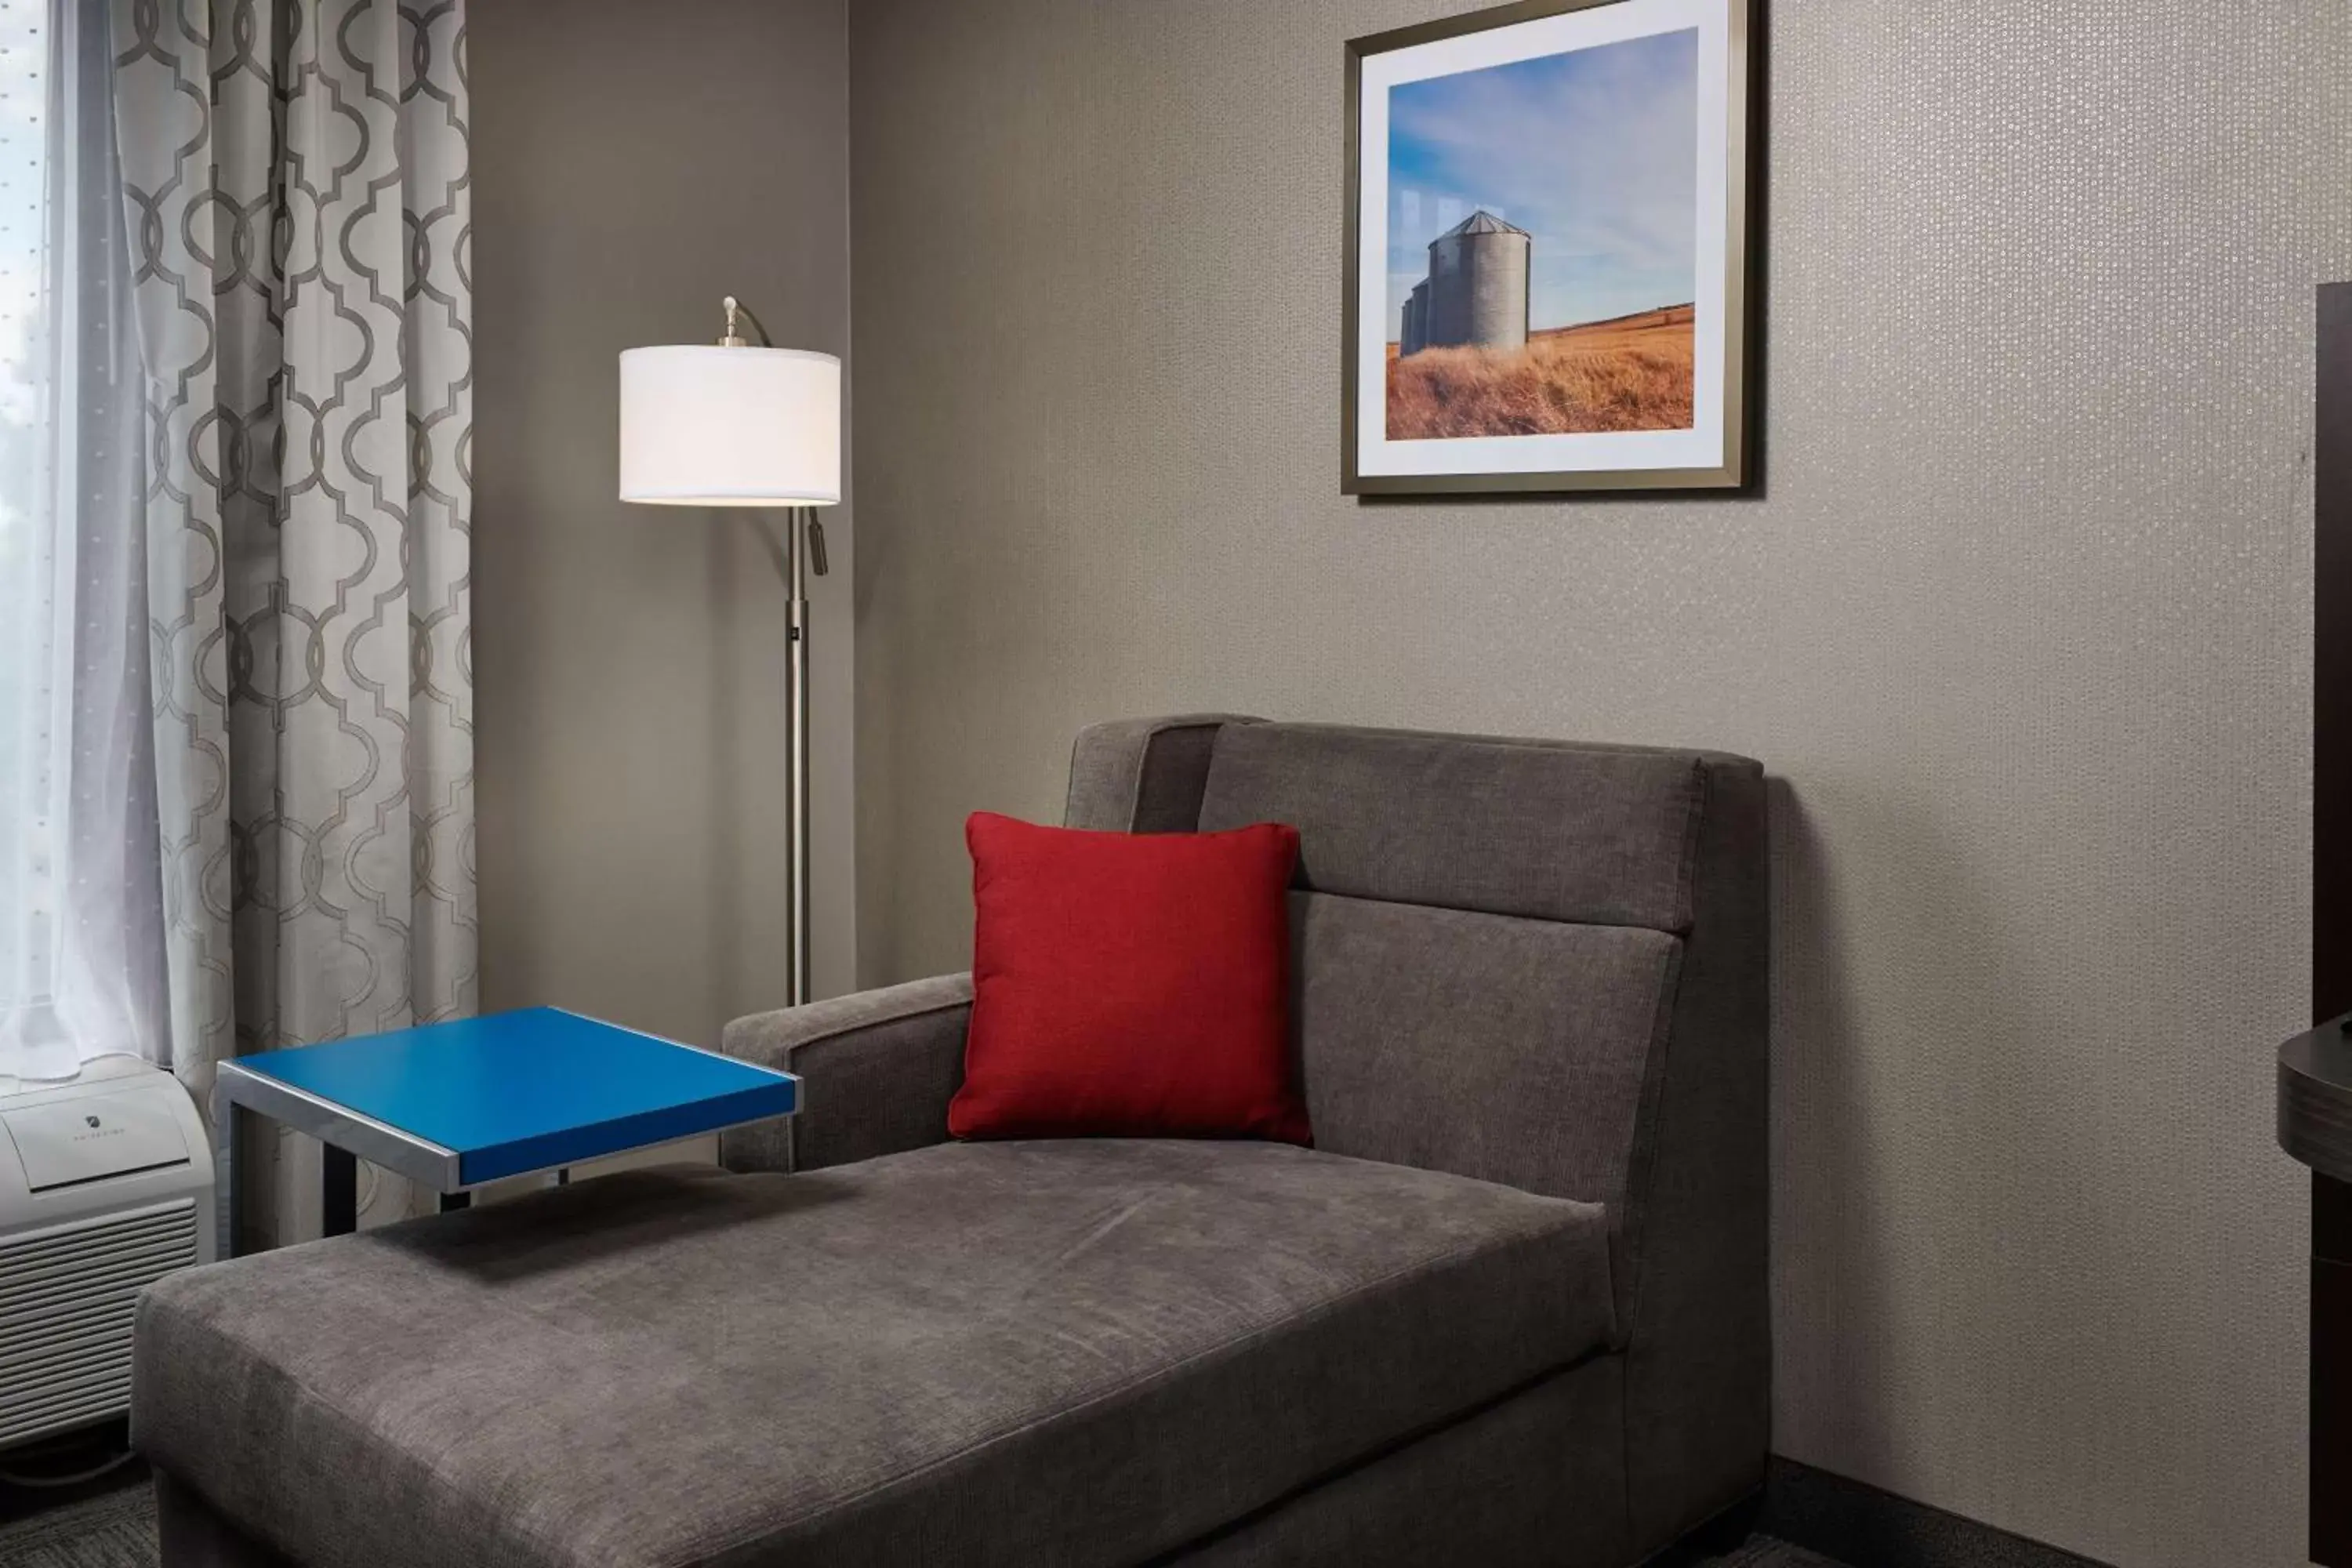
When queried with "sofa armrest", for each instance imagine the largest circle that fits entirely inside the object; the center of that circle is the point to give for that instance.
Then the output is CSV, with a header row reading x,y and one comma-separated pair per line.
x,y
876,1072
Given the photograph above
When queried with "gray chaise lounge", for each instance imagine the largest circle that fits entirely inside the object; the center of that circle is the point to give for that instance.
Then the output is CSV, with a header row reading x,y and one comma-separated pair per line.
x,y
1511,1308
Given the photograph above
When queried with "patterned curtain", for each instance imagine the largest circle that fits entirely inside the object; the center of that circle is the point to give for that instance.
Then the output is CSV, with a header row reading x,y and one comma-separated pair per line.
x,y
295,174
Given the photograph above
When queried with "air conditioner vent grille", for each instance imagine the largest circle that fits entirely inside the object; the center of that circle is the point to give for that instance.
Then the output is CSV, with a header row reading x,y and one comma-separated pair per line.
x,y
66,1300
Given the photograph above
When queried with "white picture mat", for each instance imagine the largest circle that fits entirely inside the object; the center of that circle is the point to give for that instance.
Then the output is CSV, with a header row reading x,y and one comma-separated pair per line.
x,y
1702,446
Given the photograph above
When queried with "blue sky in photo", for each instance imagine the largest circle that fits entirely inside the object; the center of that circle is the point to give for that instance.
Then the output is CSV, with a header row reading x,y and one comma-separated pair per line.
x,y
1594,152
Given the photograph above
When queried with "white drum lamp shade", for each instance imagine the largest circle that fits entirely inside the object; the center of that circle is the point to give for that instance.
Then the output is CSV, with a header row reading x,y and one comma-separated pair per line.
x,y
707,426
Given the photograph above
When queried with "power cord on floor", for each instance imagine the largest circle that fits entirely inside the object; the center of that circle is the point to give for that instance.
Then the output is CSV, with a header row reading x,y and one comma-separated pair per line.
x,y
31,1482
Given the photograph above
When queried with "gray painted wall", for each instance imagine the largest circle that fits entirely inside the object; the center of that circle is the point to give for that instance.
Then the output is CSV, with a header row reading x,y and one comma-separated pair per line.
x,y
2021,622
632,163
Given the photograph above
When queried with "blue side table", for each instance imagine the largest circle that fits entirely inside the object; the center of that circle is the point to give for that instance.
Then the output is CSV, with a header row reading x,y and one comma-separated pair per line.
x,y
450,1106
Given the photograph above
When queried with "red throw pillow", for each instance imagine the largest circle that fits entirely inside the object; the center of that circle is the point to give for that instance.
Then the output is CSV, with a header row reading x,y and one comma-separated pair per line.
x,y
1129,984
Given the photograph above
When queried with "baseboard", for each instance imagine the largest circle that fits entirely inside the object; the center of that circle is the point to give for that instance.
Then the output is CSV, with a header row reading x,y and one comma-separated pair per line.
x,y
1716,1540
1859,1524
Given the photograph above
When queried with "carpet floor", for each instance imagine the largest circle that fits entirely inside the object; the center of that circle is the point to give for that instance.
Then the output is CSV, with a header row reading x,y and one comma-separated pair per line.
x,y
1763,1551
110,1529
116,1529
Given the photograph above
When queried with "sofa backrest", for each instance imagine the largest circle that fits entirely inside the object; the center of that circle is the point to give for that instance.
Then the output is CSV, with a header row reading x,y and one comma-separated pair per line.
x,y
1534,962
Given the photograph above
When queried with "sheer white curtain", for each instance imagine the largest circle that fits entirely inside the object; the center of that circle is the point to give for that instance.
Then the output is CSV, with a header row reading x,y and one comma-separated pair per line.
x,y
81,914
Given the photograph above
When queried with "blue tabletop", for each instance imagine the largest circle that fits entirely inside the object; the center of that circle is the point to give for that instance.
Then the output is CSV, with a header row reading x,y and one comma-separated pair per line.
x,y
531,1089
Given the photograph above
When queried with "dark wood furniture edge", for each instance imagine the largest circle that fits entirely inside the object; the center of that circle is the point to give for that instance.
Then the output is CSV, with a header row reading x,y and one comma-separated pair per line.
x,y
2307,1102
2315,1098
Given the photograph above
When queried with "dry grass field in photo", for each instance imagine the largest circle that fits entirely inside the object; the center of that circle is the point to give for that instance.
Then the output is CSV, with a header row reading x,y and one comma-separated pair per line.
x,y
1633,373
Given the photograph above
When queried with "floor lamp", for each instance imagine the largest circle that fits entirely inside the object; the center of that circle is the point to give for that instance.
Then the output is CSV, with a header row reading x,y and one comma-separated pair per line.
x,y
731,425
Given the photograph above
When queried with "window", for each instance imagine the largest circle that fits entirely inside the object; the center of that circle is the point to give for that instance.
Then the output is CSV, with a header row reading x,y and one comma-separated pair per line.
x,y
79,900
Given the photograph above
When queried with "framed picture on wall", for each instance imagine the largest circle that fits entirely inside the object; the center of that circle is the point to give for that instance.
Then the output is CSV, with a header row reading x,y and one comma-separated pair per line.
x,y
1546,250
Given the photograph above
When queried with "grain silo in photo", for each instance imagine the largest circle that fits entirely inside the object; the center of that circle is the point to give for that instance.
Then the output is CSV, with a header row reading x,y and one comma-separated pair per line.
x,y
1476,291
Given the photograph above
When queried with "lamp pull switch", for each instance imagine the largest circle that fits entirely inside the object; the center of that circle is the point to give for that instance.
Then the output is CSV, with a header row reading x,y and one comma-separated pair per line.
x,y
817,546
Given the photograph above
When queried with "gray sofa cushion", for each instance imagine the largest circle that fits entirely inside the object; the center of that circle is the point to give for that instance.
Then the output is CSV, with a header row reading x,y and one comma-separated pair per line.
x,y
1602,835
876,1071
1143,775
1012,1352
1512,1050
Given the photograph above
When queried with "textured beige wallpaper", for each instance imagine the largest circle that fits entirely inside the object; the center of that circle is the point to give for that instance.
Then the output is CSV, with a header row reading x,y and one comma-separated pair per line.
x,y
2019,619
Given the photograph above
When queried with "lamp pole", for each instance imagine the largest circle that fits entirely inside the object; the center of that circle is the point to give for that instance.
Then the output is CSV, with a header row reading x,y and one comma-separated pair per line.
x,y
803,526
803,549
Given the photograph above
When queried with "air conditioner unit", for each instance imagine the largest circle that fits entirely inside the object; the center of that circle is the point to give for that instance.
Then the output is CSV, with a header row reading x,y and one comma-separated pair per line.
x,y
106,1183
